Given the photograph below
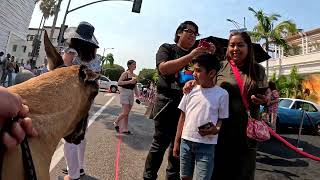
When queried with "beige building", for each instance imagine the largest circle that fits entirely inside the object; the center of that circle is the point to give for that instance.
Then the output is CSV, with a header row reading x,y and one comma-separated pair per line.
x,y
305,54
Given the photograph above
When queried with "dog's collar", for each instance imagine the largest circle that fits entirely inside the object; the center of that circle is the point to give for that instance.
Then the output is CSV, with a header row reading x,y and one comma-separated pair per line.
x,y
29,170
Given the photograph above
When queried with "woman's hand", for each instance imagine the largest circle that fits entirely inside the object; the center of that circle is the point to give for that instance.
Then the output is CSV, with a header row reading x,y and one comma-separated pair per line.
x,y
188,86
259,99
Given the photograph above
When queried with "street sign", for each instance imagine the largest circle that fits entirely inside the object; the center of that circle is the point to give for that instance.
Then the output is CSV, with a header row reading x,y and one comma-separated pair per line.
x,y
238,30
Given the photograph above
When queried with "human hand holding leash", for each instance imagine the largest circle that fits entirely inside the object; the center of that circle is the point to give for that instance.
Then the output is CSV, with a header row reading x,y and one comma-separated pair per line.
x,y
11,106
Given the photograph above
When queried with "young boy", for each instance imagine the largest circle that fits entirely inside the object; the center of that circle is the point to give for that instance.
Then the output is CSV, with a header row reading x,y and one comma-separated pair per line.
x,y
202,112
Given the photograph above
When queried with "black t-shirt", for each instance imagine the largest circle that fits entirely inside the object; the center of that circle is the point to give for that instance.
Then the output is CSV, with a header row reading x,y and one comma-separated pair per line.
x,y
173,83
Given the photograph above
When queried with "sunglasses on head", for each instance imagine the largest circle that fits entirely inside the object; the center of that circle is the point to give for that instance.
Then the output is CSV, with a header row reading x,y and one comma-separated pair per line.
x,y
190,31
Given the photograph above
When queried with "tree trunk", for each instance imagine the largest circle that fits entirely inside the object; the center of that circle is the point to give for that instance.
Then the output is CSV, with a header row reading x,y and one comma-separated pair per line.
x,y
56,13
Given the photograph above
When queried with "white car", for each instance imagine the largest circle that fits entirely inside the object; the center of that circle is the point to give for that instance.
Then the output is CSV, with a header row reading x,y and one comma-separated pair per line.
x,y
106,84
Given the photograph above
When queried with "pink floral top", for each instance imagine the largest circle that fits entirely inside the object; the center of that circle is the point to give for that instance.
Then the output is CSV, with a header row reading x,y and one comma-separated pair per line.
x,y
273,108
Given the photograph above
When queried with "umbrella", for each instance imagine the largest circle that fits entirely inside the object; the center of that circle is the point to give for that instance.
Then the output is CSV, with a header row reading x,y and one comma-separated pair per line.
x,y
222,44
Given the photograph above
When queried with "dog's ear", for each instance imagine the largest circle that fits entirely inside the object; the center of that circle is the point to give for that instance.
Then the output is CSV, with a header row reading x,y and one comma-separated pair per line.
x,y
54,58
87,75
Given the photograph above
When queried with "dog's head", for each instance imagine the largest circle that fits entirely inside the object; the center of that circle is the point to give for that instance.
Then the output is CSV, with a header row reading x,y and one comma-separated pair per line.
x,y
86,85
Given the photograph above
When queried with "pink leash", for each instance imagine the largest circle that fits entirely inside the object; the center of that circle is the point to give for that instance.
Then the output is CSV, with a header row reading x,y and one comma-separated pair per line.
x,y
118,158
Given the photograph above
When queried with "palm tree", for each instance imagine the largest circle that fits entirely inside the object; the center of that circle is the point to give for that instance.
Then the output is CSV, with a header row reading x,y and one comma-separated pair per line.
x,y
47,8
110,59
265,30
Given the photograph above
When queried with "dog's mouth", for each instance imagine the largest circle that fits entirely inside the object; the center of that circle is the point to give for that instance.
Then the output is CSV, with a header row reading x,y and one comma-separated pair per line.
x,y
76,136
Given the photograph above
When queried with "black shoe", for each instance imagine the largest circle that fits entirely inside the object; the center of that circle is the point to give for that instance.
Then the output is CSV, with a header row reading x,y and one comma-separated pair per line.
x,y
65,171
127,133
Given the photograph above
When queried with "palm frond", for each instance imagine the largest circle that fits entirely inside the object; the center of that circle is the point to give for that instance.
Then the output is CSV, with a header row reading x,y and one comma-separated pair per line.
x,y
274,17
255,36
286,27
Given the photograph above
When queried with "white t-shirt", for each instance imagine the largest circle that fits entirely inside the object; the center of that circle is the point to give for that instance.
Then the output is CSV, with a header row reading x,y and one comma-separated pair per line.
x,y
201,106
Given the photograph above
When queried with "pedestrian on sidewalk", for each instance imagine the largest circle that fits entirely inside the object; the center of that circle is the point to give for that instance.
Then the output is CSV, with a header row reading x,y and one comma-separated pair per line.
x,y
82,42
128,89
273,104
202,112
5,69
170,60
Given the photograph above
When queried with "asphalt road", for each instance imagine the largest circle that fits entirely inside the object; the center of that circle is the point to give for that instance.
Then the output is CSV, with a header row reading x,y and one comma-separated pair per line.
x,y
274,160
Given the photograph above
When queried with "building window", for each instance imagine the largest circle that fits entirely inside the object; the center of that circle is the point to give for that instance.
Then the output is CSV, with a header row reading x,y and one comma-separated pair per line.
x,y
30,37
24,48
14,48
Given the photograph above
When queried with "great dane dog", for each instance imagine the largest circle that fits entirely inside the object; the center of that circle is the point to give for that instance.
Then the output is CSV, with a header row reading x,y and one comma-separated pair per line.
x,y
59,101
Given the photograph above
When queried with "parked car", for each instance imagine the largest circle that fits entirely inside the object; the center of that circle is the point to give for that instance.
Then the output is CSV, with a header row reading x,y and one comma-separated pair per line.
x,y
290,114
106,84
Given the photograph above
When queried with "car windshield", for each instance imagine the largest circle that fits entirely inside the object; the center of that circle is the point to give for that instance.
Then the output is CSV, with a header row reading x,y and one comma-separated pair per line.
x,y
285,103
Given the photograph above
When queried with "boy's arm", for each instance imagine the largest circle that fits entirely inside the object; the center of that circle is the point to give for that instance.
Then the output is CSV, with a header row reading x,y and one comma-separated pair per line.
x,y
177,140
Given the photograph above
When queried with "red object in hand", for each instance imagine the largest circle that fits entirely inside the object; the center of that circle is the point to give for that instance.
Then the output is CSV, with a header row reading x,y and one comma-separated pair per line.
x,y
204,43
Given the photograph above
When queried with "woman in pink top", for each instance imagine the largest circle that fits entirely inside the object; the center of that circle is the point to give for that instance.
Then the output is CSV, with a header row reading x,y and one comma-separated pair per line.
x,y
273,104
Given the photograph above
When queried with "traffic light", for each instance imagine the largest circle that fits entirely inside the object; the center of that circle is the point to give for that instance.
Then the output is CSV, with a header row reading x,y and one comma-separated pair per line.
x,y
136,6
36,47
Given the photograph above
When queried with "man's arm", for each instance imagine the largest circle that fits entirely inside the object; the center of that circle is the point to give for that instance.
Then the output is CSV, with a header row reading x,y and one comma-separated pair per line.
x,y
172,66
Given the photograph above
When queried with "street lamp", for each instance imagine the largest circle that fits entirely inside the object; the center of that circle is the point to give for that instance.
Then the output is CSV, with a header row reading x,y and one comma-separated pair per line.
x,y
104,49
135,8
236,24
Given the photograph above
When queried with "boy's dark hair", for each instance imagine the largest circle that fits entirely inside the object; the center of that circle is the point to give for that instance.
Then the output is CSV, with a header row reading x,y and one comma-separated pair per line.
x,y
183,26
208,62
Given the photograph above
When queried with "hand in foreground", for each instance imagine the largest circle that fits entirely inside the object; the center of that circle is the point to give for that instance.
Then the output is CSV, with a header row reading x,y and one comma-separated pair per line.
x,y
11,106
18,132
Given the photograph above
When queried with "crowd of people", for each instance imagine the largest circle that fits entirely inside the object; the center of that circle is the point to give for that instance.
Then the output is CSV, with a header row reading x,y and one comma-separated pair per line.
x,y
10,67
202,120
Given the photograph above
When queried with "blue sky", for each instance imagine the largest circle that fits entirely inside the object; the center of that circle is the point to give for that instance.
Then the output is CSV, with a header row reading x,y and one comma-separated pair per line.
x,y
138,36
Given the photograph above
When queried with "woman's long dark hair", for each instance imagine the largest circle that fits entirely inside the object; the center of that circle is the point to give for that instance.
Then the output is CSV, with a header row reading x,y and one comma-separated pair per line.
x,y
250,66
86,51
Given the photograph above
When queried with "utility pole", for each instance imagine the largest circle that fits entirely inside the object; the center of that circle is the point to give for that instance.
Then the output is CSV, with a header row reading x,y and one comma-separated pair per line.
x,y
56,13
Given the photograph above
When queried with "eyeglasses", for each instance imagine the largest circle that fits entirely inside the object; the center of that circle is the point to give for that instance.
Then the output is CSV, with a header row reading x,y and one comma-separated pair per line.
x,y
191,32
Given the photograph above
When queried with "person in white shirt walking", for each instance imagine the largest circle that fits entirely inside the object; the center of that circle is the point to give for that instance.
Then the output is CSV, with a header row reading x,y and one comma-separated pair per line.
x,y
202,112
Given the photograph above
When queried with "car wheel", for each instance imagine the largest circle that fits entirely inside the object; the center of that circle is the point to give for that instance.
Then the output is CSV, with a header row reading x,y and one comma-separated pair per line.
x,y
113,89
318,129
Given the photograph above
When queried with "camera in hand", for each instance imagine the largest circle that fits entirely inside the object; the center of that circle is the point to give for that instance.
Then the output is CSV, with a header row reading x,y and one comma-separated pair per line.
x,y
206,126
204,43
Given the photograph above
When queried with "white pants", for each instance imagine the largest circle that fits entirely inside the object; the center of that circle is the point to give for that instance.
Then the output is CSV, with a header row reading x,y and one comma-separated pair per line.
x,y
74,155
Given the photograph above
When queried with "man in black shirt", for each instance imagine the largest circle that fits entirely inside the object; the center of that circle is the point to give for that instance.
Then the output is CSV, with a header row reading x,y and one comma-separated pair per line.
x,y
173,64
